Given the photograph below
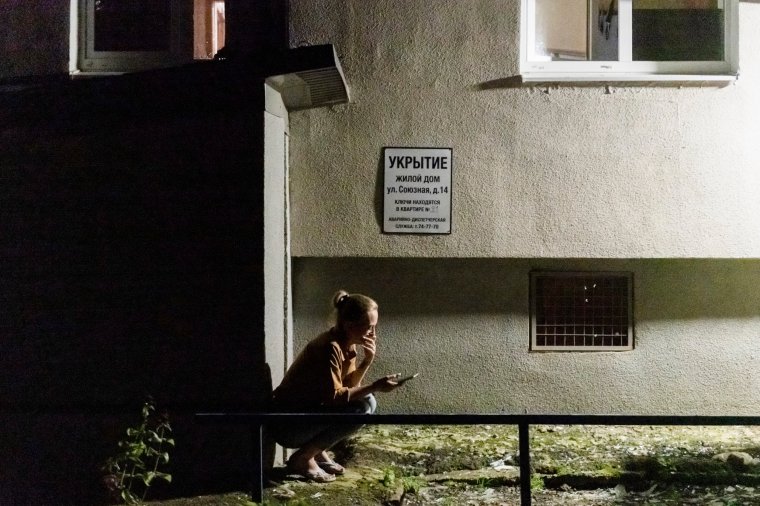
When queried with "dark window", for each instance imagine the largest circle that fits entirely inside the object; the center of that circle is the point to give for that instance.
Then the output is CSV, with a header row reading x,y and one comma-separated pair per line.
x,y
132,25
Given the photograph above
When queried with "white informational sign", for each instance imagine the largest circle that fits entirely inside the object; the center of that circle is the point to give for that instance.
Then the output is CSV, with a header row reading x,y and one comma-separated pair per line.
x,y
417,191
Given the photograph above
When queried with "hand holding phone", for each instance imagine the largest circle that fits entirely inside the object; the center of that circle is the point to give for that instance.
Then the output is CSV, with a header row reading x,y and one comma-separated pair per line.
x,y
401,381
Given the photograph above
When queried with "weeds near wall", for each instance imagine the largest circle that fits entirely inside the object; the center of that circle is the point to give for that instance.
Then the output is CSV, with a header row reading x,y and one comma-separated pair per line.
x,y
132,471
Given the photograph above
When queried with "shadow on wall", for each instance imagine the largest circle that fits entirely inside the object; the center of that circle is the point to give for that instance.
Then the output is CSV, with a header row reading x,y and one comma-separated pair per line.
x,y
672,289
415,286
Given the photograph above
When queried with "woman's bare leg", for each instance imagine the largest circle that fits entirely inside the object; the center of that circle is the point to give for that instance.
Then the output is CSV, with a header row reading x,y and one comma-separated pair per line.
x,y
303,460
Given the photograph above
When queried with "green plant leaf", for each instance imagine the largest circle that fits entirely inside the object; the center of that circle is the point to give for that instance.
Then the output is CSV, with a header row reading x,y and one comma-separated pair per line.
x,y
141,445
129,497
137,463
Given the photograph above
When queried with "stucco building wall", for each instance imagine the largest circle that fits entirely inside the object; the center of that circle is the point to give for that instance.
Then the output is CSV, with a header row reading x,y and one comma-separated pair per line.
x,y
545,171
660,180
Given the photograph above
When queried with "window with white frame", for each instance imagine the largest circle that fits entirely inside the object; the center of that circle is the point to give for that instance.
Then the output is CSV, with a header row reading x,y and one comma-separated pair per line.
x,y
129,35
581,311
629,40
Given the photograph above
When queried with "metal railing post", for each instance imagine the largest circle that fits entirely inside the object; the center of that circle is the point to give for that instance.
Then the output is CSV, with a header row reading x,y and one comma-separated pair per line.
x,y
524,441
257,456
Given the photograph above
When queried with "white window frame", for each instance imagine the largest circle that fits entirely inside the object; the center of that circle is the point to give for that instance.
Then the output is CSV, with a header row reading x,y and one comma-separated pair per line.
x,y
531,69
215,12
90,60
591,275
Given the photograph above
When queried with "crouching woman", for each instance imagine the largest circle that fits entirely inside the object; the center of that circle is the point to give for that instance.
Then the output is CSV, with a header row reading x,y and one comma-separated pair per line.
x,y
325,377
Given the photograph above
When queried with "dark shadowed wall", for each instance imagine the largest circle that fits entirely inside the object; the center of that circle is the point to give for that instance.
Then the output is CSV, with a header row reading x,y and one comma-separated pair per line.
x,y
130,264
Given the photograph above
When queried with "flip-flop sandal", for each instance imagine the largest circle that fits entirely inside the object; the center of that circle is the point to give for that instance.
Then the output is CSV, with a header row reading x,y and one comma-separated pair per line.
x,y
315,476
331,467
318,476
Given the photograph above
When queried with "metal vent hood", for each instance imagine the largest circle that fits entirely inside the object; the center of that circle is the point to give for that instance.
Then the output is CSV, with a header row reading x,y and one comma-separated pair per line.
x,y
308,77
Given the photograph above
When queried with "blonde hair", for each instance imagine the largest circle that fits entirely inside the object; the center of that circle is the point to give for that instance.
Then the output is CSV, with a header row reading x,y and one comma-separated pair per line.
x,y
351,307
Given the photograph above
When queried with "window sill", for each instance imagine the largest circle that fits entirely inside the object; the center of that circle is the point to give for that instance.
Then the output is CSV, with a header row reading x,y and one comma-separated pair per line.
x,y
629,78
85,74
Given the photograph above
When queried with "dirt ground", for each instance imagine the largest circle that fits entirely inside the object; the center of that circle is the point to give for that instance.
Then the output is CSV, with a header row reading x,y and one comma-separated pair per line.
x,y
571,465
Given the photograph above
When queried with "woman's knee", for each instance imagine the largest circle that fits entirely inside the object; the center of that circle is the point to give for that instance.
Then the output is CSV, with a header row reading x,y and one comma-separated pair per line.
x,y
366,405
370,404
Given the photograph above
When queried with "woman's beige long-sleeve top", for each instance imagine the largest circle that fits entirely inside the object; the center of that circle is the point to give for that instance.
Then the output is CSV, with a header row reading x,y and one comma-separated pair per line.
x,y
321,375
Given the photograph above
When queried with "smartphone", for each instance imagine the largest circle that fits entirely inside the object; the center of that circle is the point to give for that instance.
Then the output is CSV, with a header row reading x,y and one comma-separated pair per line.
x,y
404,380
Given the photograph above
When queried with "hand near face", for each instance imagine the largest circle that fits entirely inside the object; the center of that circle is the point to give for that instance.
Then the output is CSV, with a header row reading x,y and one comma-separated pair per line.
x,y
369,345
364,333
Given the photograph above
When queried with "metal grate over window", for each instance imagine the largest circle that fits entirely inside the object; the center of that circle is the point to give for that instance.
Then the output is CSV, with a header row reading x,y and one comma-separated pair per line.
x,y
581,311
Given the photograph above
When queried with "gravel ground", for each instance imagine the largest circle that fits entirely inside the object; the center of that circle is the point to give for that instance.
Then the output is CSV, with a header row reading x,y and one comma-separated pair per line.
x,y
477,465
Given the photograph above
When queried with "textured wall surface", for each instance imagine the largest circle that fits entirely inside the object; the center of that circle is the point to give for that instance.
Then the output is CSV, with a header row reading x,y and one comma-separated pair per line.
x,y
464,325
35,38
548,171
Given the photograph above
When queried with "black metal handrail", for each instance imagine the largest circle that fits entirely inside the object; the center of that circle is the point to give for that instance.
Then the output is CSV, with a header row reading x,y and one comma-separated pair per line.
x,y
257,421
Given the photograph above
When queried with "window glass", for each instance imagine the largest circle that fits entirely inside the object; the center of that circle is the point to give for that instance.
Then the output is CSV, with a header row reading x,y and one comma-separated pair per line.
x,y
132,25
561,30
677,30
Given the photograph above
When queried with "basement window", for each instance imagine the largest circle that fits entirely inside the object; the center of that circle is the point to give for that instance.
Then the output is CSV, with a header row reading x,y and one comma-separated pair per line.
x,y
581,311
629,40
132,35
